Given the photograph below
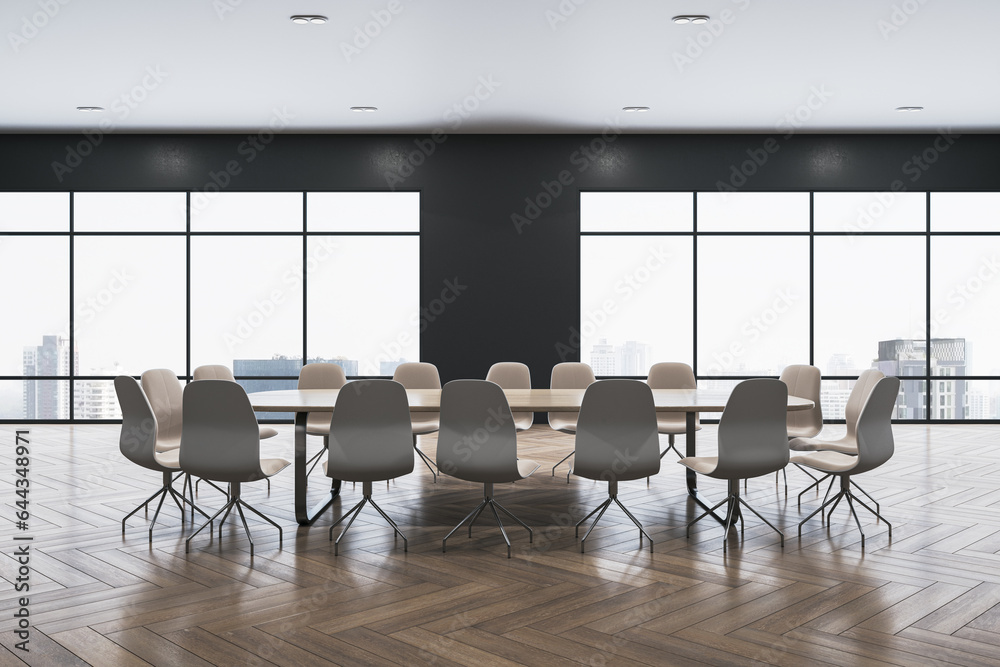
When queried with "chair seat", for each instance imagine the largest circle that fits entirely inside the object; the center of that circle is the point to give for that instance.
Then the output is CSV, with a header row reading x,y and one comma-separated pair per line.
x,y
170,458
705,465
167,444
273,466
318,423
667,426
267,432
816,445
525,467
523,420
832,462
421,425
561,424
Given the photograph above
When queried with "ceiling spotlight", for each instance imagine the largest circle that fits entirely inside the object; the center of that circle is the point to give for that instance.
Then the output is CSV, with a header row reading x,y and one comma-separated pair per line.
x,y
635,109
90,109
364,109
904,109
696,19
303,19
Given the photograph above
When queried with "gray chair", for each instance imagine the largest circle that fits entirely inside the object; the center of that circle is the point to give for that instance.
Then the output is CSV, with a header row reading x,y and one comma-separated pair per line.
x,y
848,443
753,441
320,376
478,443
220,442
417,375
513,375
568,375
873,434
370,440
805,382
219,372
616,440
138,444
672,375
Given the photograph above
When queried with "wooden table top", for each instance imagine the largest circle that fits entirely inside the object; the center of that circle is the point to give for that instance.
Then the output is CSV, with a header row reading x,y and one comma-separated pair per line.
x,y
520,400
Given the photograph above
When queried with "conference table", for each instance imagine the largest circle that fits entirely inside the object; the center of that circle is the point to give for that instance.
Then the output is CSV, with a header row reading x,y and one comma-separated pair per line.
x,y
303,401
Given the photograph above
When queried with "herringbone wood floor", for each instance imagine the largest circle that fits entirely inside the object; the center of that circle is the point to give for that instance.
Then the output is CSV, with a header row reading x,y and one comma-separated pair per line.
x,y
932,596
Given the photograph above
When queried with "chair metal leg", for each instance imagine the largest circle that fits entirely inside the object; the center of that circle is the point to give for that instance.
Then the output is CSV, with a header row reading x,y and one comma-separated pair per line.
x,y
531,534
187,543
734,514
637,524
142,505
780,534
845,492
813,485
427,459
603,507
488,501
475,516
561,461
476,511
366,498
503,532
612,498
867,495
706,513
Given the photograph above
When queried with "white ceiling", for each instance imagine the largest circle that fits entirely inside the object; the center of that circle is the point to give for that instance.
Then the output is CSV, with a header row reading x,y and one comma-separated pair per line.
x,y
557,65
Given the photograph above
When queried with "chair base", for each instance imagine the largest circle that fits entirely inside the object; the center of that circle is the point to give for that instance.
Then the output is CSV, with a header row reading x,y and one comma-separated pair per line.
x,y
612,497
819,480
426,459
488,501
234,501
366,490
670,446
165,490
315,459
845,492
561,461
734,513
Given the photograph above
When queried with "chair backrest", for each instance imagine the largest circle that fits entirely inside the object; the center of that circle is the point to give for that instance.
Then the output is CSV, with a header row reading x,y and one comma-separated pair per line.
x,y
672,375
753,437
321,376
874,429
859,394
138,436
570,375
512,375
417,375
220,439
616,437
804,381
213,372
477,441
370,436
166,396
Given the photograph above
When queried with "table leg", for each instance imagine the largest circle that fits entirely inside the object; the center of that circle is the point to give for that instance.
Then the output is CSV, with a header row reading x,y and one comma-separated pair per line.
x,y
303,514
691,449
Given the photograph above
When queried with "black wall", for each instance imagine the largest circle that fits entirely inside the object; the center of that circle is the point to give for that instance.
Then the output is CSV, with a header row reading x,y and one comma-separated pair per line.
x,y
522,280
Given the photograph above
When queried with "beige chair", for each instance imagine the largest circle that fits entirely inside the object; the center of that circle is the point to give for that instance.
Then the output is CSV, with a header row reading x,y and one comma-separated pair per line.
x,y
478,443
219,372
874,441
568,375
805,382
616,441
513,375
138,444
753,441
418,375
672,375
369,439
848,443
220,442
320,376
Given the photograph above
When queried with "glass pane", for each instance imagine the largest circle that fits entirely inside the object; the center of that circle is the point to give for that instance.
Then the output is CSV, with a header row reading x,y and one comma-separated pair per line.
x,y
965,211
363,211
34,399
270,385
636,303
246,299
753,304
95,399
129,212
753,211
965,300
35,301
34,211
982,399
130,304
868,290
370,329
834,394
714,385
246,212
860,212
636,211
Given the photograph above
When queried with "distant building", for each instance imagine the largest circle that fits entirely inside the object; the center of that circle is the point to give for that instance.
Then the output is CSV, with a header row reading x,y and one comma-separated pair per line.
x,y
388,367
632,358
907,358
602,358
96,399
48,399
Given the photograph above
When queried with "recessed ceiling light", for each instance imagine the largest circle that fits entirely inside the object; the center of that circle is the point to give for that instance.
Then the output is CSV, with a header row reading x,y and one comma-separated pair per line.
x,y
89,109
903,109
635,109
364,109
303,19
696,19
